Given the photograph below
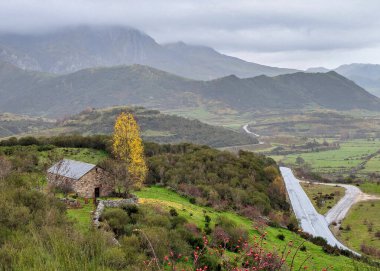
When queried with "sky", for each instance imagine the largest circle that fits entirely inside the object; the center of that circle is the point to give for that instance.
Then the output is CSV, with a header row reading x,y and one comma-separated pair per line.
x,y
283,33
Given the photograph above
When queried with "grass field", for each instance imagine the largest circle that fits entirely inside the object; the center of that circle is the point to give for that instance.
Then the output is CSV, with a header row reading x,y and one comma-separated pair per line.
x,y
364,221
370,188
341,161
228,118
84,154
316,192
372,166
82,216
195,214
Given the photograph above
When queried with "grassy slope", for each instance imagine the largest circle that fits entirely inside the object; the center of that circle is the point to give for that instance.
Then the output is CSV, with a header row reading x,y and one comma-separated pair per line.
x,y
170,199
361,212
195,214
313,190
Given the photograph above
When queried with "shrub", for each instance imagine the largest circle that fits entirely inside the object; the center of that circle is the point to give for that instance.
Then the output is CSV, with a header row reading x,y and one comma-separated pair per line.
x,y
176,221
115,258
211,261
130,209
117,219
173,212
281,237
228,229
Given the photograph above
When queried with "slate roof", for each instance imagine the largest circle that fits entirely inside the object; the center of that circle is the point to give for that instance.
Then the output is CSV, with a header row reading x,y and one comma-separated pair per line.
x,y
71,168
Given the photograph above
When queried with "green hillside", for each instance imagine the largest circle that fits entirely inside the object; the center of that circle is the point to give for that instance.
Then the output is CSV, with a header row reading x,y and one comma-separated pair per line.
x,y
155,127
39,94
11,124
38,233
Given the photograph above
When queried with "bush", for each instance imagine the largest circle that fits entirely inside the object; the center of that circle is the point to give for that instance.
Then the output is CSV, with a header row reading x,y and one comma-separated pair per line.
x,y
117,219
115,258
211,261
281,237
130,208
228,229
173,212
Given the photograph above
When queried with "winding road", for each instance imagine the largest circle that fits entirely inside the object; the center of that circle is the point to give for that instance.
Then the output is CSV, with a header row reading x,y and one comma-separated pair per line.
x,y
245,128
310,220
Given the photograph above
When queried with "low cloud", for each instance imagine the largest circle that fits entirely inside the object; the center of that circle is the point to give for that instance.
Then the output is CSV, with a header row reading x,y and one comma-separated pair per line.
x,y
299,33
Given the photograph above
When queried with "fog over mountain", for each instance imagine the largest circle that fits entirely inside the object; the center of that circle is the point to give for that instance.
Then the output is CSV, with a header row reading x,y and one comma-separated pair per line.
x,y
74,48
297,34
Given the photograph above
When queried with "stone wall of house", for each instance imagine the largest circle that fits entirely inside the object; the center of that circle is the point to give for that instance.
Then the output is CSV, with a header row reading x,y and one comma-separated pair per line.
x,y
59,181
85,186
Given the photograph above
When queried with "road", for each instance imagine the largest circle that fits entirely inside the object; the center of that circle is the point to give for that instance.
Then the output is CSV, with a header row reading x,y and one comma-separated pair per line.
x,y
340,210
310,220
352,195
245,128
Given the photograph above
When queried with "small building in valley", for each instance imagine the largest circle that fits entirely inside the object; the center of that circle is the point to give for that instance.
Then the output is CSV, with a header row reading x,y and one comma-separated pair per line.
x,y
87,180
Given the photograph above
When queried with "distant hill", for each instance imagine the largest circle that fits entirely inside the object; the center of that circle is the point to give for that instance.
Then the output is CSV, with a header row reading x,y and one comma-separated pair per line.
x,y
11,124
74,48
298,90
40,94
365,75
156,127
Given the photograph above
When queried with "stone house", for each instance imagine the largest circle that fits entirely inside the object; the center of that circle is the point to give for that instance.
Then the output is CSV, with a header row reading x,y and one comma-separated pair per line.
x,y
87,180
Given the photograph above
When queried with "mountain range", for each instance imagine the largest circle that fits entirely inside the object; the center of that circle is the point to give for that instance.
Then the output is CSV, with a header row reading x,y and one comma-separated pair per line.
x,y
365,75
42,94
71,49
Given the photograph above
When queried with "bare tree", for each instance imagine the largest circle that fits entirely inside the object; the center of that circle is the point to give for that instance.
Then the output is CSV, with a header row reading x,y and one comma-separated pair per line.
x,y
119,174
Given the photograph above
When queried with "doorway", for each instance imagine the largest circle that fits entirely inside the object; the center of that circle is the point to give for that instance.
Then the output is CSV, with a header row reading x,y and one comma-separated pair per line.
x,y
97,192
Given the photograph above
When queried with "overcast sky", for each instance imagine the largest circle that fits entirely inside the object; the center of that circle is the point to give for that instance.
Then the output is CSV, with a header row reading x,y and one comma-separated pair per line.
x,y
285,33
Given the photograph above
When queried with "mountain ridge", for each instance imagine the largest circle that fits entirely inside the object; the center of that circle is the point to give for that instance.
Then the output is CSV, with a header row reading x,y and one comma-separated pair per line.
x,y
364,74
57,95
74,48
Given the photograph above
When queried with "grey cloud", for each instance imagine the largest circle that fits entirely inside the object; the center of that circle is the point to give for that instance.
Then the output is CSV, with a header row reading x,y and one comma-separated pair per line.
x,y
253,26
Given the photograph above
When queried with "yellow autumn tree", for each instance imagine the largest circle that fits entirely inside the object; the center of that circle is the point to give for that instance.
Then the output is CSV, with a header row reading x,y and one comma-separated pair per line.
x,y
127,147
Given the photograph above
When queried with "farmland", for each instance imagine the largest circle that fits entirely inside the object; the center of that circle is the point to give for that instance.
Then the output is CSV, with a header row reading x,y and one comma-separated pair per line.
x,y
362,226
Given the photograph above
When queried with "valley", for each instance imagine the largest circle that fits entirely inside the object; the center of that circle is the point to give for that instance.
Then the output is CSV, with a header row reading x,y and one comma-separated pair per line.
x,y
120,151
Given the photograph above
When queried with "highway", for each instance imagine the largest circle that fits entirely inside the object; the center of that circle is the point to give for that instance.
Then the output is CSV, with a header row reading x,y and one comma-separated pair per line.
x,y
310,220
